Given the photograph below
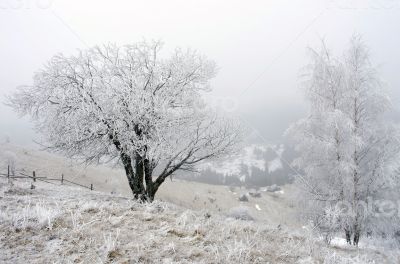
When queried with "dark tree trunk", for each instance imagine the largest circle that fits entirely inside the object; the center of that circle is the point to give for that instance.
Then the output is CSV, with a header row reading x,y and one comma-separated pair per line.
x,y
353,235
348,235
357,234
143,172
139,192
148,174
127,163
135,177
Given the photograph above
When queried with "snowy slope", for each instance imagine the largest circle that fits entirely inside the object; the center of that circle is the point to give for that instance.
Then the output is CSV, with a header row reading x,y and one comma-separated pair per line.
x,y
61,224
276,209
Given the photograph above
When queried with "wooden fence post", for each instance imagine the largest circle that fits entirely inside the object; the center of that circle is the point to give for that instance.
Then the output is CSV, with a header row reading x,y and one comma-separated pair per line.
x,y
8,171
34,176
62,178
91,186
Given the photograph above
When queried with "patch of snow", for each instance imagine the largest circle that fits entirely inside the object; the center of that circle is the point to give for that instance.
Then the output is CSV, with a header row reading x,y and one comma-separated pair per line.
x,y
279,150
339,242
274,165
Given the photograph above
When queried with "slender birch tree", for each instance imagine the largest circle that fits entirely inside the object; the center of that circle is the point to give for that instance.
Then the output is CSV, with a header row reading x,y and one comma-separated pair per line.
x,y
346,147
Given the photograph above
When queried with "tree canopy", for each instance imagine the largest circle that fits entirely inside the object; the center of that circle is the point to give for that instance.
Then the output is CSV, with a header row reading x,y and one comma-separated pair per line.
x,y
131,104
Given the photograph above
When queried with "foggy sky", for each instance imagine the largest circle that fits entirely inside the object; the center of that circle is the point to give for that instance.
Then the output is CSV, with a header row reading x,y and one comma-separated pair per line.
x,y
259,46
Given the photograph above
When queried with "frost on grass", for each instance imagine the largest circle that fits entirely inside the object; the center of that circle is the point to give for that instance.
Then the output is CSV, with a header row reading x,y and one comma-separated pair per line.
x,y
67,225
240,213
30,216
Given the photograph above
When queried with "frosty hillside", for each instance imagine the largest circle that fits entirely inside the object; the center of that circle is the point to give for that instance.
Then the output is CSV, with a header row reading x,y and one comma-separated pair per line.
x,y
65,225
186,131
124,105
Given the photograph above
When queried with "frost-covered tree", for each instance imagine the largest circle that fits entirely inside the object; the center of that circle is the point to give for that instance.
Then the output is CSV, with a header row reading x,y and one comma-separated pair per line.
x,y
346,147
129,104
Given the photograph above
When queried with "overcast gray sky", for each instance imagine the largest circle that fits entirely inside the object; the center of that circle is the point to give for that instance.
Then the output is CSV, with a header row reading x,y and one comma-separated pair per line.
x,y
259,46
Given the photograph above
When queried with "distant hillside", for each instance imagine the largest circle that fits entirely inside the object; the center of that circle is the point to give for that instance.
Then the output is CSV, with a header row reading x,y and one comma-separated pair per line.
x,y
255,166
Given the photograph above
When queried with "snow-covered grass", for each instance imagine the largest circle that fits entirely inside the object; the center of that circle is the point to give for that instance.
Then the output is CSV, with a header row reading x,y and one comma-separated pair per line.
x,y
39,215
275,207
240,213
61,224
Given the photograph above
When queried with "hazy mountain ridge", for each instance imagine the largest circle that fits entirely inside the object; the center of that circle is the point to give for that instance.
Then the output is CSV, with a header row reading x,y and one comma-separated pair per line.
x,y
256,165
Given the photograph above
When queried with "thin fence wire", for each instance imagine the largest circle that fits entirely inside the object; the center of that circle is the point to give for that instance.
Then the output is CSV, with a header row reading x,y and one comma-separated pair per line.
x,y
62,180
